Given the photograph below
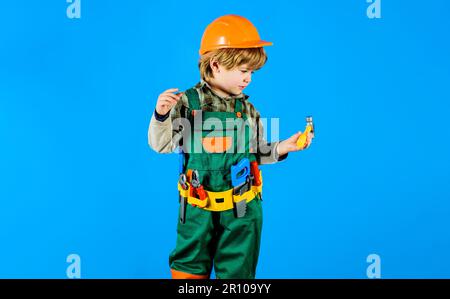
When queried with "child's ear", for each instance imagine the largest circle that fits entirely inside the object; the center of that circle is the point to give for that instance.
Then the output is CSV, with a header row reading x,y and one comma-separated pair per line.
x,y
214,64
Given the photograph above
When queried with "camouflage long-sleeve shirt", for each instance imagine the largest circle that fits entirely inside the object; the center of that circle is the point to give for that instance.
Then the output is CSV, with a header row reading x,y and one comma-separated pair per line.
x,y
162,136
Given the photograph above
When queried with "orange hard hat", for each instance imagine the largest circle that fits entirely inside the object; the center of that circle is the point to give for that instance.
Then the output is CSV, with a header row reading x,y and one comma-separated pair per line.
x,y
231,31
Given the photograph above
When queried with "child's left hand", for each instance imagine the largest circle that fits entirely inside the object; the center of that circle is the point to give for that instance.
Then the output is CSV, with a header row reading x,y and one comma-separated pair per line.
x,y
290,145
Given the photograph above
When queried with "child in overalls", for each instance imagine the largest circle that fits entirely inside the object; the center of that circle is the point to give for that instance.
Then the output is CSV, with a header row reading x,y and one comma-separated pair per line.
x,y
220,183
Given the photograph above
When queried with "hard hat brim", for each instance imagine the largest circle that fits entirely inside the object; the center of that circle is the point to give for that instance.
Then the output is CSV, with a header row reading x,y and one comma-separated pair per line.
x,y
250,44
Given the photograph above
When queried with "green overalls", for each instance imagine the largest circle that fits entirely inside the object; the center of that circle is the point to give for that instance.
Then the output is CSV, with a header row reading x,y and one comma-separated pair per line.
x,y
208,238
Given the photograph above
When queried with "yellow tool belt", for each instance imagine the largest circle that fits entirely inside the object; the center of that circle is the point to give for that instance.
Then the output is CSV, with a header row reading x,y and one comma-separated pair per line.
x,y
226,198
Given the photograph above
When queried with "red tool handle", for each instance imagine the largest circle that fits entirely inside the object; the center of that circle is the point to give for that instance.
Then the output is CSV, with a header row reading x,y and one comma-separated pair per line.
x,y
256,173
201,193
198,192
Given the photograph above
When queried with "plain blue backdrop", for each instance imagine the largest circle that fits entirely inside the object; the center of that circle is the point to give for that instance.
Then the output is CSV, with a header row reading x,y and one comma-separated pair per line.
x,y
77,175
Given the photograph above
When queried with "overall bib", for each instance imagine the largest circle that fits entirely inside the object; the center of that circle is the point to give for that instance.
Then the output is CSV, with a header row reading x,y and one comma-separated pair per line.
x,y
212,234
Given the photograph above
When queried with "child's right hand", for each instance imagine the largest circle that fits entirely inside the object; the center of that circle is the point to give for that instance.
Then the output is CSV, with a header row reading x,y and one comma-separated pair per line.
x,y
167,100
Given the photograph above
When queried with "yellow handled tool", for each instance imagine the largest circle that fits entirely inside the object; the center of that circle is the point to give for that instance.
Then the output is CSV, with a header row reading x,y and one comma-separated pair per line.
x,y
301,141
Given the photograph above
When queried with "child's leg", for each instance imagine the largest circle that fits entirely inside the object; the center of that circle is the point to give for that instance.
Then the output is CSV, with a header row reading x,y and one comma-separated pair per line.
x,y
238,243
195,246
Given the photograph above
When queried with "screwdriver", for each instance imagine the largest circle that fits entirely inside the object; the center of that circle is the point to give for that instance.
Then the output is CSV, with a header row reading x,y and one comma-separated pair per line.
x,y
301,141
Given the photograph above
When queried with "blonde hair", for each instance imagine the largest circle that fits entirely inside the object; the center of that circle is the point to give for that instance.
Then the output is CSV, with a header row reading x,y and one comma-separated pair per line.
x,y
230,58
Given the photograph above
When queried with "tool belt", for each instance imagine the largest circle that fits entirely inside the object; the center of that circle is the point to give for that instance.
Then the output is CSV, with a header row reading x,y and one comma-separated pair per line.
x,y
219,201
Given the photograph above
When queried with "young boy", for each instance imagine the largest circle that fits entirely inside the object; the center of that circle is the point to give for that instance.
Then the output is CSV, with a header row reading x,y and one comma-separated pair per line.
x,y
220,183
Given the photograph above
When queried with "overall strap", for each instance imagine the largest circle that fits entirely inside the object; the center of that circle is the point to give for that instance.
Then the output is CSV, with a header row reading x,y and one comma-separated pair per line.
x,y
193,99
238,105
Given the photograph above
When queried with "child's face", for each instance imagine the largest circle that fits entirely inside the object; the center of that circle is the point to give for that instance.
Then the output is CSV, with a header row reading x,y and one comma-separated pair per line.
x,y
233,81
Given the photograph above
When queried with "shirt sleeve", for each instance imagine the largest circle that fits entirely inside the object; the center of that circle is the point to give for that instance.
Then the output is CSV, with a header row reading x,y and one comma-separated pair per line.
x,y
163,136
160,117
267,152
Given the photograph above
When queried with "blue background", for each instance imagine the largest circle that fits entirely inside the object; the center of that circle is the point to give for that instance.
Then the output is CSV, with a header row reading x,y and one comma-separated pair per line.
x,y
77,174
